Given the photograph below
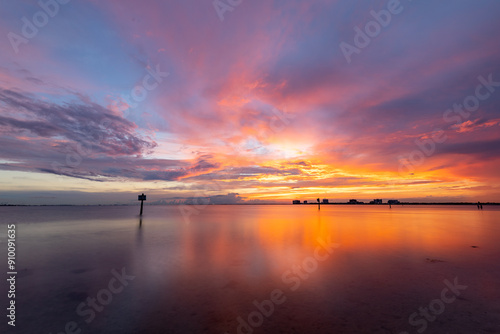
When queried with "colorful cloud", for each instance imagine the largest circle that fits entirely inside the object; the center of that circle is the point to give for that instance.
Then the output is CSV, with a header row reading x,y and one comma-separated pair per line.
x,y
164,97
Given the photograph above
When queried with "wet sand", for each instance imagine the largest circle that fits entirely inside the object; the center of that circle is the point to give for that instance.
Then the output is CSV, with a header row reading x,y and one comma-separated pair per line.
x,y
260,269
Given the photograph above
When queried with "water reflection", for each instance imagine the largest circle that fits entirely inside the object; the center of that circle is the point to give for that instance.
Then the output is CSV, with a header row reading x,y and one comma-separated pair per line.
x,y
202,276
226,260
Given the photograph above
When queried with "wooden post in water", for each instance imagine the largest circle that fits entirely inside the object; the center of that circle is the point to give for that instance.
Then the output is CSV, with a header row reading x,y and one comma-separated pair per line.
x,y
319,204
142,198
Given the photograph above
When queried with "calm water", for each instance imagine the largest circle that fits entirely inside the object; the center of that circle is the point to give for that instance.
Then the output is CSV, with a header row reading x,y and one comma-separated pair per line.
x,y
344,269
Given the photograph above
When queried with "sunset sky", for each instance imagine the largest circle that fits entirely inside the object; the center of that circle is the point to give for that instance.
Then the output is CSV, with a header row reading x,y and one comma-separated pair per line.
x,y
253,100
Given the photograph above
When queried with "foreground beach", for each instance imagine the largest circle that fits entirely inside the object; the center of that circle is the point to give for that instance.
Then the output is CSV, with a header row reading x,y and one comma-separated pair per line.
x,y
255,269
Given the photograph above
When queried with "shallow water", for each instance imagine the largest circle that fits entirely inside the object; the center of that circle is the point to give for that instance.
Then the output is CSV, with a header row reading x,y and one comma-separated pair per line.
x,y
343,269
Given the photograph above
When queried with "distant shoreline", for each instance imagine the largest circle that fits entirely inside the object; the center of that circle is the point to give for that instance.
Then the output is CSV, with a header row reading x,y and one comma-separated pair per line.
x,y
402,203
335,203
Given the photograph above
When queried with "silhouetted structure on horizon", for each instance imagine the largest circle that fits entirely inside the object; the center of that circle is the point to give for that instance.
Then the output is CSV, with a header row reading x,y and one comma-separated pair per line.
x,y
355,201
141,198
